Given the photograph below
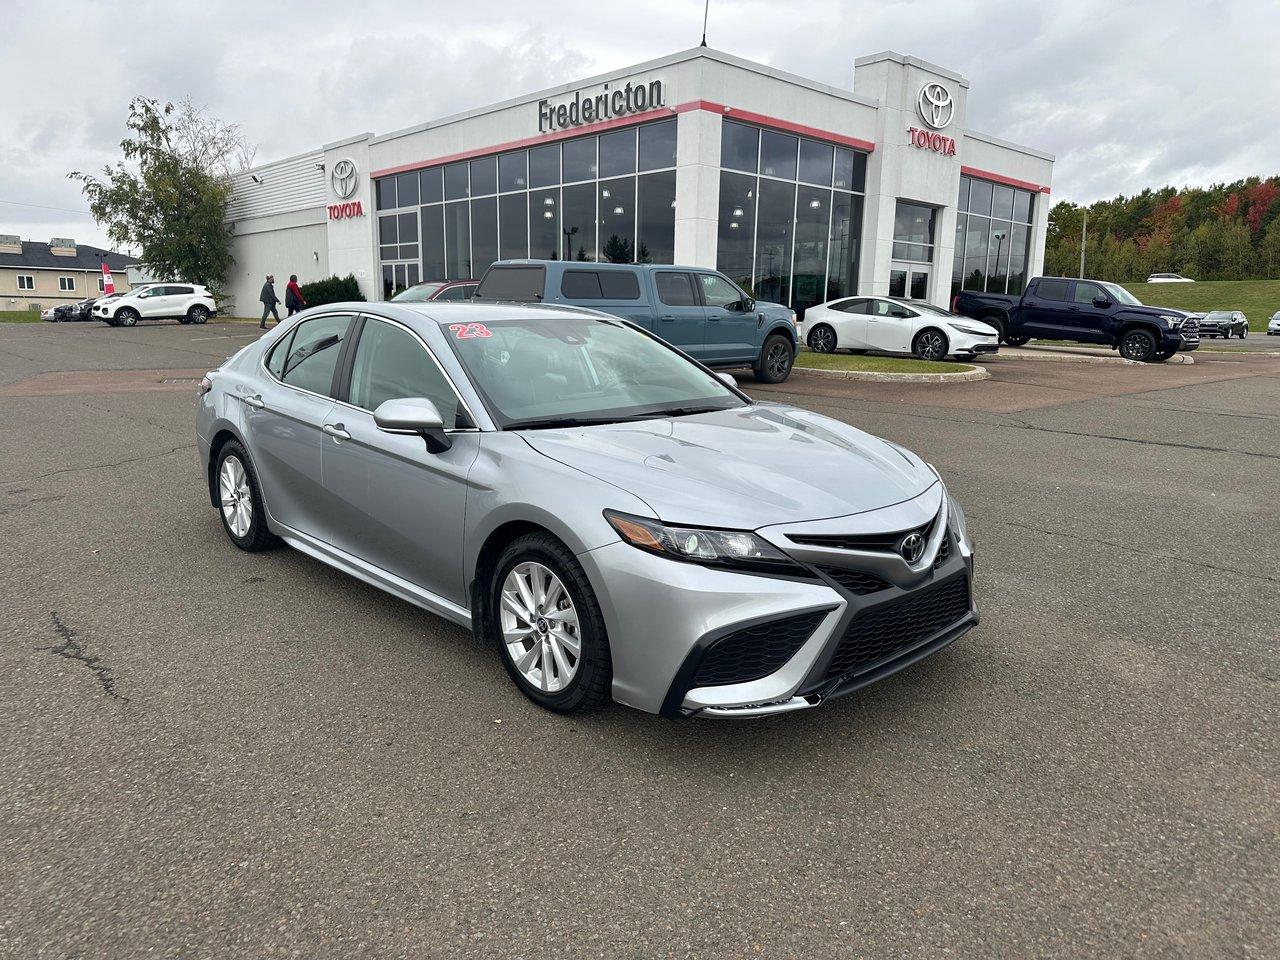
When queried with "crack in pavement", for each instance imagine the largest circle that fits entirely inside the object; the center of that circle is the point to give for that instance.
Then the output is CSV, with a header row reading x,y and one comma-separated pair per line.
x,y
1128,548
99,466
72,649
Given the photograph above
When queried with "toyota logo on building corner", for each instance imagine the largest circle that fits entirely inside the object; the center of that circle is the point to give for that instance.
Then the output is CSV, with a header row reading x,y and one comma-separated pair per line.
x,y
935,105
343,178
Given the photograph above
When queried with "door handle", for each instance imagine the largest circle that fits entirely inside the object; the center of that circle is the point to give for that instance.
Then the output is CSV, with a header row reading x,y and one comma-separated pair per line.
x,y
254,401
336,431
667,317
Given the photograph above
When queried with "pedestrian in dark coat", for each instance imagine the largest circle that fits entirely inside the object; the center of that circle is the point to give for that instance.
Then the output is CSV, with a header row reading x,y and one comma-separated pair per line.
x,y
269,301
293,298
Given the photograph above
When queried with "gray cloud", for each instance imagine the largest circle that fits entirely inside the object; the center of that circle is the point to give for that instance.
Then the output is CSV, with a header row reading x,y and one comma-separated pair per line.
x,y
1126,94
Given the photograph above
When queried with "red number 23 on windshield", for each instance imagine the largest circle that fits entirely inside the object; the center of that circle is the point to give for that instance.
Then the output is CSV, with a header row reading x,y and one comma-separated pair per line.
x,y
466,331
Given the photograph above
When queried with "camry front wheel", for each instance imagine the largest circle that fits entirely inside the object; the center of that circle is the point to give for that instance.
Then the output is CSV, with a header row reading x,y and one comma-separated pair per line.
x,y
548,626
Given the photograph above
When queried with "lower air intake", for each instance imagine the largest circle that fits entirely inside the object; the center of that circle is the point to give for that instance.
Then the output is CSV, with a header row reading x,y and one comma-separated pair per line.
x,y
755,652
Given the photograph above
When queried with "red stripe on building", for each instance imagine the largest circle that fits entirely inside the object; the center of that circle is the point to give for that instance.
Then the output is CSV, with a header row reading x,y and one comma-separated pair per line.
x,y
1007,181
632,120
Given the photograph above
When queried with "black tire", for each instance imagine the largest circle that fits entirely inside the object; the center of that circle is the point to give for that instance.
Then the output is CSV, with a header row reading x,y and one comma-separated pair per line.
x,y
1138,344
127,317
592,683
822,338
1244,333
197,314
257,537
931,344
776,357
1016,341
1002,328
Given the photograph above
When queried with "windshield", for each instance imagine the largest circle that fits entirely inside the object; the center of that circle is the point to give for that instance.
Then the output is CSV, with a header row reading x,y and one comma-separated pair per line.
x,y
575,370
417,293
1120,294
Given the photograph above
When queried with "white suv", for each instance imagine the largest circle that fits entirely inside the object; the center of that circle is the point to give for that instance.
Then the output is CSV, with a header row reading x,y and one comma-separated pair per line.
x,y
184,302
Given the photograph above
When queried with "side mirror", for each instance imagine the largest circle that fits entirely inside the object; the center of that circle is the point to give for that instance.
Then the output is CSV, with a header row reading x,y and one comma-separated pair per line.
x,y
412,415
729,379
1101,302
748,305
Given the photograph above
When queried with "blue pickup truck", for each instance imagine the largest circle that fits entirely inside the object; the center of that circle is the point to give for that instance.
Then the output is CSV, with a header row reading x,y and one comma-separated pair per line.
x,y
702,312
1087,311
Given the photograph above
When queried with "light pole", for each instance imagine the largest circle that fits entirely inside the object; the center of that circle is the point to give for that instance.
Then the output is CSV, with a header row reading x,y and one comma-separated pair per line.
x,y
1000,235
1084,229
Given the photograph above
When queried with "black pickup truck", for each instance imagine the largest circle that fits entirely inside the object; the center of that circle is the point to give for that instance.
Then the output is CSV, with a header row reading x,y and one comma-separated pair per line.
x,y
1087,311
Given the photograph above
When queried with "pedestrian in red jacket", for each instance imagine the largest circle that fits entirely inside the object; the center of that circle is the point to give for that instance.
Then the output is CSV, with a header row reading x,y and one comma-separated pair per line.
x,y
293,298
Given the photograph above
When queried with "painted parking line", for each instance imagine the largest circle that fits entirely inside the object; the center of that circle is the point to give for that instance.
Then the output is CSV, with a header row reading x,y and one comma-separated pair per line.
x,y
228,336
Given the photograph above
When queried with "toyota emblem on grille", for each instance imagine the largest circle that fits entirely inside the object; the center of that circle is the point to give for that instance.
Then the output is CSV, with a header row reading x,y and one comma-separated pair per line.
x,y
911,547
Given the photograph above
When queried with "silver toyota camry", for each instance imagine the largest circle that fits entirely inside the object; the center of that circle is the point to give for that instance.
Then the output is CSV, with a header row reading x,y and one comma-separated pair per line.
x,y
620,521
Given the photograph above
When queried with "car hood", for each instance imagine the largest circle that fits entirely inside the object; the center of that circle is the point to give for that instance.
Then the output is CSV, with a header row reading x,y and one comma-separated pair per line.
x,y
744,468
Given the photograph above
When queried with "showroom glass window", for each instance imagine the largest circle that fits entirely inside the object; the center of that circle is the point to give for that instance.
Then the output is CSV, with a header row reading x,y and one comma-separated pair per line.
x,y
790,215
609,197
993,237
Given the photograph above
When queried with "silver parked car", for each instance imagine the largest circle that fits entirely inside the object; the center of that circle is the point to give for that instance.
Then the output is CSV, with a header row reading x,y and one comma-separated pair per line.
x,y
617,518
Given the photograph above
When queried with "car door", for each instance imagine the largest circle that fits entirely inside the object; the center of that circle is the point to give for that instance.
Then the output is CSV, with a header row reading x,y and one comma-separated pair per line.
x,y
397,505
890,326
1087,319
731,332
681,318
177,301
284,421
849,318
151,302
1045,310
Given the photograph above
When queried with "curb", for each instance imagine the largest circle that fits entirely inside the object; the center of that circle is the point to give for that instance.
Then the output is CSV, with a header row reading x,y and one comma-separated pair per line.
x,y
964,376
1060,355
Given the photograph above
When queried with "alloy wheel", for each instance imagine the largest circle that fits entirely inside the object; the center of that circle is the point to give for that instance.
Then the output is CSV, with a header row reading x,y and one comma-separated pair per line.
x,y
822,340
932,346
1135,346
540,627
198,315
237,500
778,360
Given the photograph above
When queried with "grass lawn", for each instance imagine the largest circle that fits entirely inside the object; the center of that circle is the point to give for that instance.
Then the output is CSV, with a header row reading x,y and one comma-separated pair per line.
x,y
848,361
1257,299
19,316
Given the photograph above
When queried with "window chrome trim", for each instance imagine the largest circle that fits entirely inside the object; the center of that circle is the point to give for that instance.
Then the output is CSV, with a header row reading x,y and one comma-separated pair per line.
x,y
356,315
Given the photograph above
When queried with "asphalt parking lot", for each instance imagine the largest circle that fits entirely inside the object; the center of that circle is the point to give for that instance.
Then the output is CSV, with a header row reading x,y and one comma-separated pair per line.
x,y
208,753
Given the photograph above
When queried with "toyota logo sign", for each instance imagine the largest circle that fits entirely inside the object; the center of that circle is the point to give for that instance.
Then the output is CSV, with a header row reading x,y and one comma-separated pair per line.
x,y
343,178
935,105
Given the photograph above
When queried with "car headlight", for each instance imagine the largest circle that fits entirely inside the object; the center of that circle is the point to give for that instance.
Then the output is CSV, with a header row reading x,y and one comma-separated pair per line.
x,y
1171,320
972,331
734,549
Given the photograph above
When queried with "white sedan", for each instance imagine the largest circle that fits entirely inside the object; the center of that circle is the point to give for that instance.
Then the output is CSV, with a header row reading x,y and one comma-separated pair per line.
x,y
893,325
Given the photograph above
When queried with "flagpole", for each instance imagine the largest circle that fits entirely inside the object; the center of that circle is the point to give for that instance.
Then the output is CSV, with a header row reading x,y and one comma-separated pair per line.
x,y
706,9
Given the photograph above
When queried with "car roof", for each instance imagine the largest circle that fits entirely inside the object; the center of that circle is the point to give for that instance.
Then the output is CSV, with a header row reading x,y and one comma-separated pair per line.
x,y
600,265
444,313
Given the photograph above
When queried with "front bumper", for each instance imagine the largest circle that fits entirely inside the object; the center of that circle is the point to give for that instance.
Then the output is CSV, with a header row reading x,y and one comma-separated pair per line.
x,y
964,343
663,618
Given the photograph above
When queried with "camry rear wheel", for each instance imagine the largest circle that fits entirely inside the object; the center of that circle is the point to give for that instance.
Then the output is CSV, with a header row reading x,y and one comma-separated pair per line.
x,y
548,626
240,500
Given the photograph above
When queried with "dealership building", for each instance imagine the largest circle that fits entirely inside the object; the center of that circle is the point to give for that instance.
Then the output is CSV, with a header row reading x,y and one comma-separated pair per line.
x,y
797,190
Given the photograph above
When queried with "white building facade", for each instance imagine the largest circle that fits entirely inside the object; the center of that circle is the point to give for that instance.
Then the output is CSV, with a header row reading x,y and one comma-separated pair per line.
x,y
798,191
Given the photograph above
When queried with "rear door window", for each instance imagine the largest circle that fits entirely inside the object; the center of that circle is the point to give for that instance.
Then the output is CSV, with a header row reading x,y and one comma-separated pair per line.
x,y
1054,289
313,354
519,283
619,285
856,305
581,285
676,289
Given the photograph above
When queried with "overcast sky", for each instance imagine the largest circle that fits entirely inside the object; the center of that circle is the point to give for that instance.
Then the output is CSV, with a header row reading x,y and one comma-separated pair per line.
x,y
1125,94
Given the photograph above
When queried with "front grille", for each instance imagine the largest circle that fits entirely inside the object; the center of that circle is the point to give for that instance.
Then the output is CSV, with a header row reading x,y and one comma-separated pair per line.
x,y
879,542
944,551
755,652
855,581
886,631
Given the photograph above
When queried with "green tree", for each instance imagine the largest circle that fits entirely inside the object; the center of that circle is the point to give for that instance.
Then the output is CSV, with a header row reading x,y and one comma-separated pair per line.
x,y
167,199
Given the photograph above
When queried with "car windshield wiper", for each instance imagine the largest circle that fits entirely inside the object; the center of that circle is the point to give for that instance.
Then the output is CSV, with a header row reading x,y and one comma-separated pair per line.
x,y
553,422
685,411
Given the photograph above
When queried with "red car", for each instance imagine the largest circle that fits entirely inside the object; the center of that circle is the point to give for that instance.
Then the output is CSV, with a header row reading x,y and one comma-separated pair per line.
x,y
452,290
